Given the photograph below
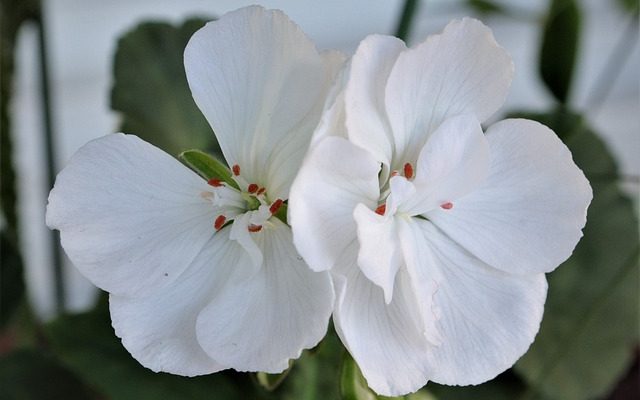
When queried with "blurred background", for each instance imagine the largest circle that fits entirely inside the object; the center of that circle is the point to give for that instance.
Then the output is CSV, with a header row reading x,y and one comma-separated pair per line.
x,y
75,70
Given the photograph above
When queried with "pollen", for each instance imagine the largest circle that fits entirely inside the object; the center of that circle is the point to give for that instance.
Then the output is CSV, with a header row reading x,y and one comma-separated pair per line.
x,y
215,182
408,171
254,228
252,188
219,222
236,169
447,206
275,206
260,191
382,208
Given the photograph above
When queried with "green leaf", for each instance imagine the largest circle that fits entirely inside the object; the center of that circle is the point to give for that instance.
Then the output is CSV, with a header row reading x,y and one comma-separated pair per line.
x,y
28,374
87,345
353,386
271,381
506,386
486,7
11,281
629,6
590,325
559,47
207,166
151,91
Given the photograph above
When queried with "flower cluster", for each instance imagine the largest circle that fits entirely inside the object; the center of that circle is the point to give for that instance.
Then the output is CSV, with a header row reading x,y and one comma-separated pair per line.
x,y
425,237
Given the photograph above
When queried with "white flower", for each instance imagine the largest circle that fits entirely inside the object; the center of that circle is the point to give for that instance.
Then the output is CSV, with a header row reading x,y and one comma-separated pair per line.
x,y
437,235
189,293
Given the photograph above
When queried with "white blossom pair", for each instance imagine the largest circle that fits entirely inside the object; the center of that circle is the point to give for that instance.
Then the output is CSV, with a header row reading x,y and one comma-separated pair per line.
x,y
434,236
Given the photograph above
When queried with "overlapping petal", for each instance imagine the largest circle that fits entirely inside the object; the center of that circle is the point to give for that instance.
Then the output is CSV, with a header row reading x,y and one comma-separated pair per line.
x,y
486,318
453,162
386,340
335,177
461,71
160,330
258,324
260,82
131,217
528,215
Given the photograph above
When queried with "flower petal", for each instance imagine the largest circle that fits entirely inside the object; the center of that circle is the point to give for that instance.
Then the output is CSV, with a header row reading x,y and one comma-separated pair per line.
x,y
364,96
335,177
160,330
258,324
528,215
461,71
454,162
379,256
487,318
386,340
261,84
131,217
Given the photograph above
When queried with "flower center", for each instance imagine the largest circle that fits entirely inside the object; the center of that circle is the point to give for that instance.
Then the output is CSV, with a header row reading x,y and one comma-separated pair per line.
x,y
251,198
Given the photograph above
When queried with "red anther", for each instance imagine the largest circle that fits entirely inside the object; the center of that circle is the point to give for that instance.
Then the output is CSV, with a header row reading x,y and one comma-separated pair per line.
x,y
219,222
382,208
394,173
408,171
260,191
236,169
254,228
447,206
275,206
215,182
252,188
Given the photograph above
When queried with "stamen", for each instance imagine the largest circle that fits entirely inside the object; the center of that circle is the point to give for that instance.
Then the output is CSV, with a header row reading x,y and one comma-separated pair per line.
x,y
275,206
382,208
219,222
236,169
260,191
252,188
394,173
447,206
408,171
215,182
254,228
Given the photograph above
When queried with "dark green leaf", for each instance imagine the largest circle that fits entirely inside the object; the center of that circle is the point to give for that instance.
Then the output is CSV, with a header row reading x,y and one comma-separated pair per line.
x,y
591,322
11,281
506,386
29,375
88,346
353,386
207,166
486,7
271,381
151,91
559,47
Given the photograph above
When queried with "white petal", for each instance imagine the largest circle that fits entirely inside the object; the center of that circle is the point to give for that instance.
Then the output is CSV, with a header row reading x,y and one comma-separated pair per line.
x,y
454,162
461,71
528,215
366,116
261,84
160,330
241,234
258,324
335,177
131,218
386,340
487,318
379,256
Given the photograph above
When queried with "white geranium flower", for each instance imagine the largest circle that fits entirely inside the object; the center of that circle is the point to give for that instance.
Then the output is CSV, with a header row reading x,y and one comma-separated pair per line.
x,y
438,236
191,293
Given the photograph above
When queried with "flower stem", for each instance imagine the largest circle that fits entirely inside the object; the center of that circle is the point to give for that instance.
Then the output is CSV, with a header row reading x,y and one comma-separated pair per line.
x,y
406,19
56,254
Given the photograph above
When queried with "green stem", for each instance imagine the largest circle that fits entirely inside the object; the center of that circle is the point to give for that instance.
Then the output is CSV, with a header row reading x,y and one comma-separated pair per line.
x,y
56,254
406,19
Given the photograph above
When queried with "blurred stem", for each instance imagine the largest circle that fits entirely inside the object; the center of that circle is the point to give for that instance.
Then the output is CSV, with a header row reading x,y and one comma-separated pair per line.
x,y
56,254
619,56
406,19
